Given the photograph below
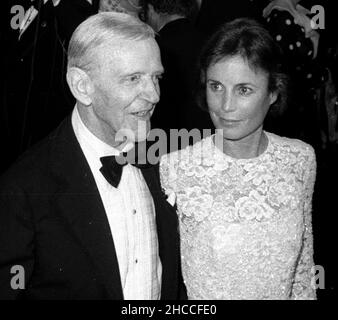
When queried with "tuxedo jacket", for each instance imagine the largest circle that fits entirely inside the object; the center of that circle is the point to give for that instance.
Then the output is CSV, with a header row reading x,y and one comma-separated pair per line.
x,y
53,224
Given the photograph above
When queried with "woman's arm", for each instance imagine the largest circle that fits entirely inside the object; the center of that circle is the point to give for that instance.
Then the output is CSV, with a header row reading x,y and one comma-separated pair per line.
x,y
303,286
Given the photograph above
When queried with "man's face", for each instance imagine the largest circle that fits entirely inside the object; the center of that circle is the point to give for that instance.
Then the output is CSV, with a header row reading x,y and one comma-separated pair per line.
x,y
126,88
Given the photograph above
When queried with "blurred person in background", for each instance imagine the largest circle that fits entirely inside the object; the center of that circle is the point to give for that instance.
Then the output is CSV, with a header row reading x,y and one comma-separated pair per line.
x,y
180,44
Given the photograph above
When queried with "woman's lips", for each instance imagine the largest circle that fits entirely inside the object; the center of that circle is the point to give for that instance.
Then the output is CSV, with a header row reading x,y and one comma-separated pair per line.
x,y
230,122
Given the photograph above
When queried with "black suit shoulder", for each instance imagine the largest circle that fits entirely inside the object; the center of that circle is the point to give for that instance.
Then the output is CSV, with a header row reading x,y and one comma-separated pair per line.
x,y
32,167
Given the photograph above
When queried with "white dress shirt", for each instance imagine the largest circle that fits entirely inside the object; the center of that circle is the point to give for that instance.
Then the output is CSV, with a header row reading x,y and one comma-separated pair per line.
x,y
131,215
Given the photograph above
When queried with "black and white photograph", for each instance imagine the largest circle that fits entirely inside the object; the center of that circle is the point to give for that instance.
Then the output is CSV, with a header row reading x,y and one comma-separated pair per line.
x,y
168,150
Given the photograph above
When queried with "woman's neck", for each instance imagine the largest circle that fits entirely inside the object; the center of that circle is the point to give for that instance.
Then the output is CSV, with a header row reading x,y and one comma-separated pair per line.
x,y
246,148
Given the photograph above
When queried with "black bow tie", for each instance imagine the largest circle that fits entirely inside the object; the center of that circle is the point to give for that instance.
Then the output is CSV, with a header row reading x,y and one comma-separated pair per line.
x,y
112,168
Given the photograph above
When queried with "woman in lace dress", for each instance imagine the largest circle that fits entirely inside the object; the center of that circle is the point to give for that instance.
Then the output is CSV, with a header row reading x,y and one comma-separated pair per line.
x,y
243,194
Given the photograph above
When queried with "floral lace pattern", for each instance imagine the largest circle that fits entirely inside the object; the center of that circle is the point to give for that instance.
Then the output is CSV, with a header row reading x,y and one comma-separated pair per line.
x,y
245,224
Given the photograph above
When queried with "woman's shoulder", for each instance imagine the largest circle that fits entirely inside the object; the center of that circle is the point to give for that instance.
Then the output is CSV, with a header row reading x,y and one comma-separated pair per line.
x,y
295,146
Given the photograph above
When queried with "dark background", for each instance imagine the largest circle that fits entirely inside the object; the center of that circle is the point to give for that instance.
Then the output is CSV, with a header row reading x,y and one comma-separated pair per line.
x,y
34,98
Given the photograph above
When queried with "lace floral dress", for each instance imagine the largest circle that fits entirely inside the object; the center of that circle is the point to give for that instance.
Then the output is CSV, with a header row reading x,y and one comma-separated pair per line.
x,y
245,224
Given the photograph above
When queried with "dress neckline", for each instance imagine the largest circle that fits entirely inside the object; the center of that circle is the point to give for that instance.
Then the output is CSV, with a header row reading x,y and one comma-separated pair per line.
x,y
242,160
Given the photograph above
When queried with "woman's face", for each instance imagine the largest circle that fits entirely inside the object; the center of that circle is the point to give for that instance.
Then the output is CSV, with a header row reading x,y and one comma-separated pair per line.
x,y
237,97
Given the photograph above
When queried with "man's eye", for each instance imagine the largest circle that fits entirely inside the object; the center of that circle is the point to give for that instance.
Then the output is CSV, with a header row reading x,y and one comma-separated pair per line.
x,y
134,78
159,77
244,91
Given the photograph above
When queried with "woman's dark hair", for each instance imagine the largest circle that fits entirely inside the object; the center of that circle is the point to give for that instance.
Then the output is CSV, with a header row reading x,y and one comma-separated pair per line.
x,y
250,40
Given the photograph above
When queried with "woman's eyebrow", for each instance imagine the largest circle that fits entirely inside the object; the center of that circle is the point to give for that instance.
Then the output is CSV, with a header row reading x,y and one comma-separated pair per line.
x,y
246,84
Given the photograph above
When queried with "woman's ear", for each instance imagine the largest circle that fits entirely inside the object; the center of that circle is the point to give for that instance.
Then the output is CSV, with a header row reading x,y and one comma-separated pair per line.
x,y
80,85
273,97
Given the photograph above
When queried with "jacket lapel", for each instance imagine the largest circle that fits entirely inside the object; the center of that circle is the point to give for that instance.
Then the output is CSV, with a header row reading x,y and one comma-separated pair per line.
x,y
79,203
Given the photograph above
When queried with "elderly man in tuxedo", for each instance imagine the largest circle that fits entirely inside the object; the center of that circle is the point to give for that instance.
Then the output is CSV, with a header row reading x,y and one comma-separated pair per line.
x,y
74,223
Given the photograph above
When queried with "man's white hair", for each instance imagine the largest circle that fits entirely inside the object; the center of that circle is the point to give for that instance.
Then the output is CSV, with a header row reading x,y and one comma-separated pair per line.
x,y
100,29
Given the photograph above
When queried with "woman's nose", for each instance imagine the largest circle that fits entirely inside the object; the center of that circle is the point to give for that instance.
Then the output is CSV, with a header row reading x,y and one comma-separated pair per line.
x,y
228,103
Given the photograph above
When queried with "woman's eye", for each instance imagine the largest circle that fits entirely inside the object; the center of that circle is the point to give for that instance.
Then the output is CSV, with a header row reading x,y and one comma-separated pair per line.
x,y
215,86
244,91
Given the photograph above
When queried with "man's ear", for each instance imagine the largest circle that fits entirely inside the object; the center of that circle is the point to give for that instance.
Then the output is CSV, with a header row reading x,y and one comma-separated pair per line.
x,y
80,85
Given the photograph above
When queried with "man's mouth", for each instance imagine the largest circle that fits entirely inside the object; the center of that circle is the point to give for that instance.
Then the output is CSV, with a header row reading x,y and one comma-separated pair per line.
x,y
140,113
143,113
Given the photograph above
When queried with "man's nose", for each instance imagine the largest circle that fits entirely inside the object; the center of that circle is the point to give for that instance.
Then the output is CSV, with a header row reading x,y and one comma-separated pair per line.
x,y
151,91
